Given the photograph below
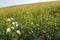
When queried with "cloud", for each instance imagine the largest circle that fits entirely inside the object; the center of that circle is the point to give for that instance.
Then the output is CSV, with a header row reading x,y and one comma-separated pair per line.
x,y
41,0
15,2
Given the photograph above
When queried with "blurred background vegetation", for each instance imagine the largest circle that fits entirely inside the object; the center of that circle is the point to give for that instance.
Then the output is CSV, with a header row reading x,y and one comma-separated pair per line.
x,y
33,20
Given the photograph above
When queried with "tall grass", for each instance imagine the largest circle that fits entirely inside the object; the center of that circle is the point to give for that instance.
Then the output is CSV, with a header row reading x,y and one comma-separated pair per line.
x,y
32,23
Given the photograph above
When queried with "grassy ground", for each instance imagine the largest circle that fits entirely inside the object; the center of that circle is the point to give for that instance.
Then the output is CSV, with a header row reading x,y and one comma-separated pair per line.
x,y
40,21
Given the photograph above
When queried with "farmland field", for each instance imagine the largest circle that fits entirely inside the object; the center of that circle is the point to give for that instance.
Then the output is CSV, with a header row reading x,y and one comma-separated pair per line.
x,y
37,21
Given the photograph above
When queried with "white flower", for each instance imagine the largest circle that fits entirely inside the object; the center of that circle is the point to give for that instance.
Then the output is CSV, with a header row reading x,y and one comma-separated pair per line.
x,y
8,19
18,32
12,18
12,27
13,23
17,25
8,29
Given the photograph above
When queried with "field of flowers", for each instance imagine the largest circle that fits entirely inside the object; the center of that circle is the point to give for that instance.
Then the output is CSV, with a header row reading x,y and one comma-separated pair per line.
x,y
30,24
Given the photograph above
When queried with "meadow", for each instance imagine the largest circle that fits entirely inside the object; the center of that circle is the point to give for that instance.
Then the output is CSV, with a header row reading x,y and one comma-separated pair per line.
x,y
37,21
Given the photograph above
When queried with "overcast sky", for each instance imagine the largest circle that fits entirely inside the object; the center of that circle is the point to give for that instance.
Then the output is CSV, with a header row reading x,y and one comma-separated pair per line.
x,y
4,3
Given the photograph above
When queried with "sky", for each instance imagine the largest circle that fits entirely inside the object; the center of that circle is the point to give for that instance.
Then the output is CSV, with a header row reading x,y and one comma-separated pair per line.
x,y
5,3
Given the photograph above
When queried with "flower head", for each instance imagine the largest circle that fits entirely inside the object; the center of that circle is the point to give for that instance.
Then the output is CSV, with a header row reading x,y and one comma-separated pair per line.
x,y
43,36
12,18
8,19
12,27
8,29
17,25
13,23
18,32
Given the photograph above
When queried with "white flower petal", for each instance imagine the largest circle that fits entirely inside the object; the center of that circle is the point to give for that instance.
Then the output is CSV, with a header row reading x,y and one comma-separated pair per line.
x,y
12,18
12,27
13,23
17,25
17,31
8,29
8,19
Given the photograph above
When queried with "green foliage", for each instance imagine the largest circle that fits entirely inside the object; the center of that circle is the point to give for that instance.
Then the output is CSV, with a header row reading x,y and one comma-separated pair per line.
x,y
30,25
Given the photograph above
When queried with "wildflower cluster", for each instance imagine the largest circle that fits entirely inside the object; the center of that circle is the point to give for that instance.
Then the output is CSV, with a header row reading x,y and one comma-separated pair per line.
x,y
14,25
